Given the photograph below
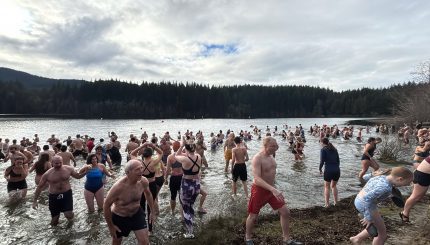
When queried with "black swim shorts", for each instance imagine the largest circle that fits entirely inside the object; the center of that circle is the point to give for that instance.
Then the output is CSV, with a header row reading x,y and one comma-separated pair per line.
x,y
61,202
128,224
239,170
421,178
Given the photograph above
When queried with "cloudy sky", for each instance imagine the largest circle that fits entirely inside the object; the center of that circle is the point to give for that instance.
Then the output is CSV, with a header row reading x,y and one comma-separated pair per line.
x,y
337,44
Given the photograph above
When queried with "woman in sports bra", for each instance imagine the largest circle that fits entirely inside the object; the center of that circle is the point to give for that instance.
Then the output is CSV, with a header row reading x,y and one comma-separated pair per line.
x,y
149,169
367,157
190,185
174,168
15,176
41,166
94,184
421,152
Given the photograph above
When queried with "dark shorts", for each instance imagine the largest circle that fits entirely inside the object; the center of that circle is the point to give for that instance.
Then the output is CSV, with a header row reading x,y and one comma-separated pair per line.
x,y
423,179
365,157
239,170
128,224
331,175
61,202
19,185
159,181
175,186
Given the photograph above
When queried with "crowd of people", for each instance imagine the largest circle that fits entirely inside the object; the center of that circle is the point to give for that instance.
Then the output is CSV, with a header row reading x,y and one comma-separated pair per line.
x,y
131,204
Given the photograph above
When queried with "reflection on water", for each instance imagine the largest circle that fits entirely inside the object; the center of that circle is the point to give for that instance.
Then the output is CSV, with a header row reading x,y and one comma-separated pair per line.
x,y
300,181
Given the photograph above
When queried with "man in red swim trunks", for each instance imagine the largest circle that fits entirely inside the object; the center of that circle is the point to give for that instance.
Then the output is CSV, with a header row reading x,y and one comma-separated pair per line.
x,y
263,191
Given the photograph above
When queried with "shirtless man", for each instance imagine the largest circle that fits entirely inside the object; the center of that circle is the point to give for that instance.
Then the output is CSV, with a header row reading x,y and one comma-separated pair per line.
x,y
228,146
78,146
27,154
240,156
67,156
263,191
60,192
13,154
122,209
165,147
34,148
52,139
131,145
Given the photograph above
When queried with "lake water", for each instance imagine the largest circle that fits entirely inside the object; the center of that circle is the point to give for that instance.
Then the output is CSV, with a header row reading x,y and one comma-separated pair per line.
x,y
300,182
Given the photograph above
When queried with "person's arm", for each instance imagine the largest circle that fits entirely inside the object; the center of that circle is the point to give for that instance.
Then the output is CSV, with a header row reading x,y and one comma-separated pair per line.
x,y
322,158
105,171
233,158
256,170
33,167
159,153
73,159
169,168
246,155
77,175
7,173
148,197
109,161
41,184
107,212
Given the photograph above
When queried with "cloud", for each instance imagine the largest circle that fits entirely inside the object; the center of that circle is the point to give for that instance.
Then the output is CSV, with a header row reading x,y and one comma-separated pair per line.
x,y
341,45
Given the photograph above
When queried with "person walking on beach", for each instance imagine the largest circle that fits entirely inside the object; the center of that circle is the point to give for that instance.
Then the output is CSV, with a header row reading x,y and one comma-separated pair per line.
x,y
240,156
263,192
329,158
60,192
375,191
122,210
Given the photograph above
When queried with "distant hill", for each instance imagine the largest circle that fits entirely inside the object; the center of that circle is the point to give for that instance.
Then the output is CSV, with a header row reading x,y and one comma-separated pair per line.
x,y
32,81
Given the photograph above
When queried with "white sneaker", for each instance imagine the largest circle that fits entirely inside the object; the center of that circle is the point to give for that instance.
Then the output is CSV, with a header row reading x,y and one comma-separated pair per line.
x,y
188,235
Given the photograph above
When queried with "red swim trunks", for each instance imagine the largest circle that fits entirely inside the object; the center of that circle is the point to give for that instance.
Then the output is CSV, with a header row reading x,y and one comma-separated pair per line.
x,y
259,198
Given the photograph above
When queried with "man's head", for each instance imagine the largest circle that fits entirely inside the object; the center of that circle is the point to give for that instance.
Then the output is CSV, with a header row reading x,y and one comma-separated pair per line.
x,y
237,140
57,162
133,168
270,145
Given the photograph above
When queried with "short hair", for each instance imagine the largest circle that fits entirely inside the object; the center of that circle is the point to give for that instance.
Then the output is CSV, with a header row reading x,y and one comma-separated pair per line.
x,y
267,140
46,147
237,140
128,165
56,157
63,148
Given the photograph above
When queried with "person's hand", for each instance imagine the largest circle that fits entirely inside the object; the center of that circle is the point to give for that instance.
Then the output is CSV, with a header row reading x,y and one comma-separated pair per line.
x,y
112,230
113,176
365,222
152,218
278,194
35,204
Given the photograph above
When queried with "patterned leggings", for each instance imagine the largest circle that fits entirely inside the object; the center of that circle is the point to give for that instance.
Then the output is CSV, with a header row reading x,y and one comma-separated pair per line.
x,y
190,189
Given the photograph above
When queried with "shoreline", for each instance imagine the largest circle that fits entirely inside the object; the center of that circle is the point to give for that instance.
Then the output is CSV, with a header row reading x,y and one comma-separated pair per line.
x,y
318,225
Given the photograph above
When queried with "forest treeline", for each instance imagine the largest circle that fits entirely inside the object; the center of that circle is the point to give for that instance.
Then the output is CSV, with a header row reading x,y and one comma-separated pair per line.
x,y
114,99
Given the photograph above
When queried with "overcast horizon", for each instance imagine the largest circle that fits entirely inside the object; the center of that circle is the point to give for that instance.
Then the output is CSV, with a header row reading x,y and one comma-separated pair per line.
x,y
331,44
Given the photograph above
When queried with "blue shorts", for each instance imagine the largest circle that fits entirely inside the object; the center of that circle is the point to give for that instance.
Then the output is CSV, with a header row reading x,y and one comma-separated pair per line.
x,y
364,207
